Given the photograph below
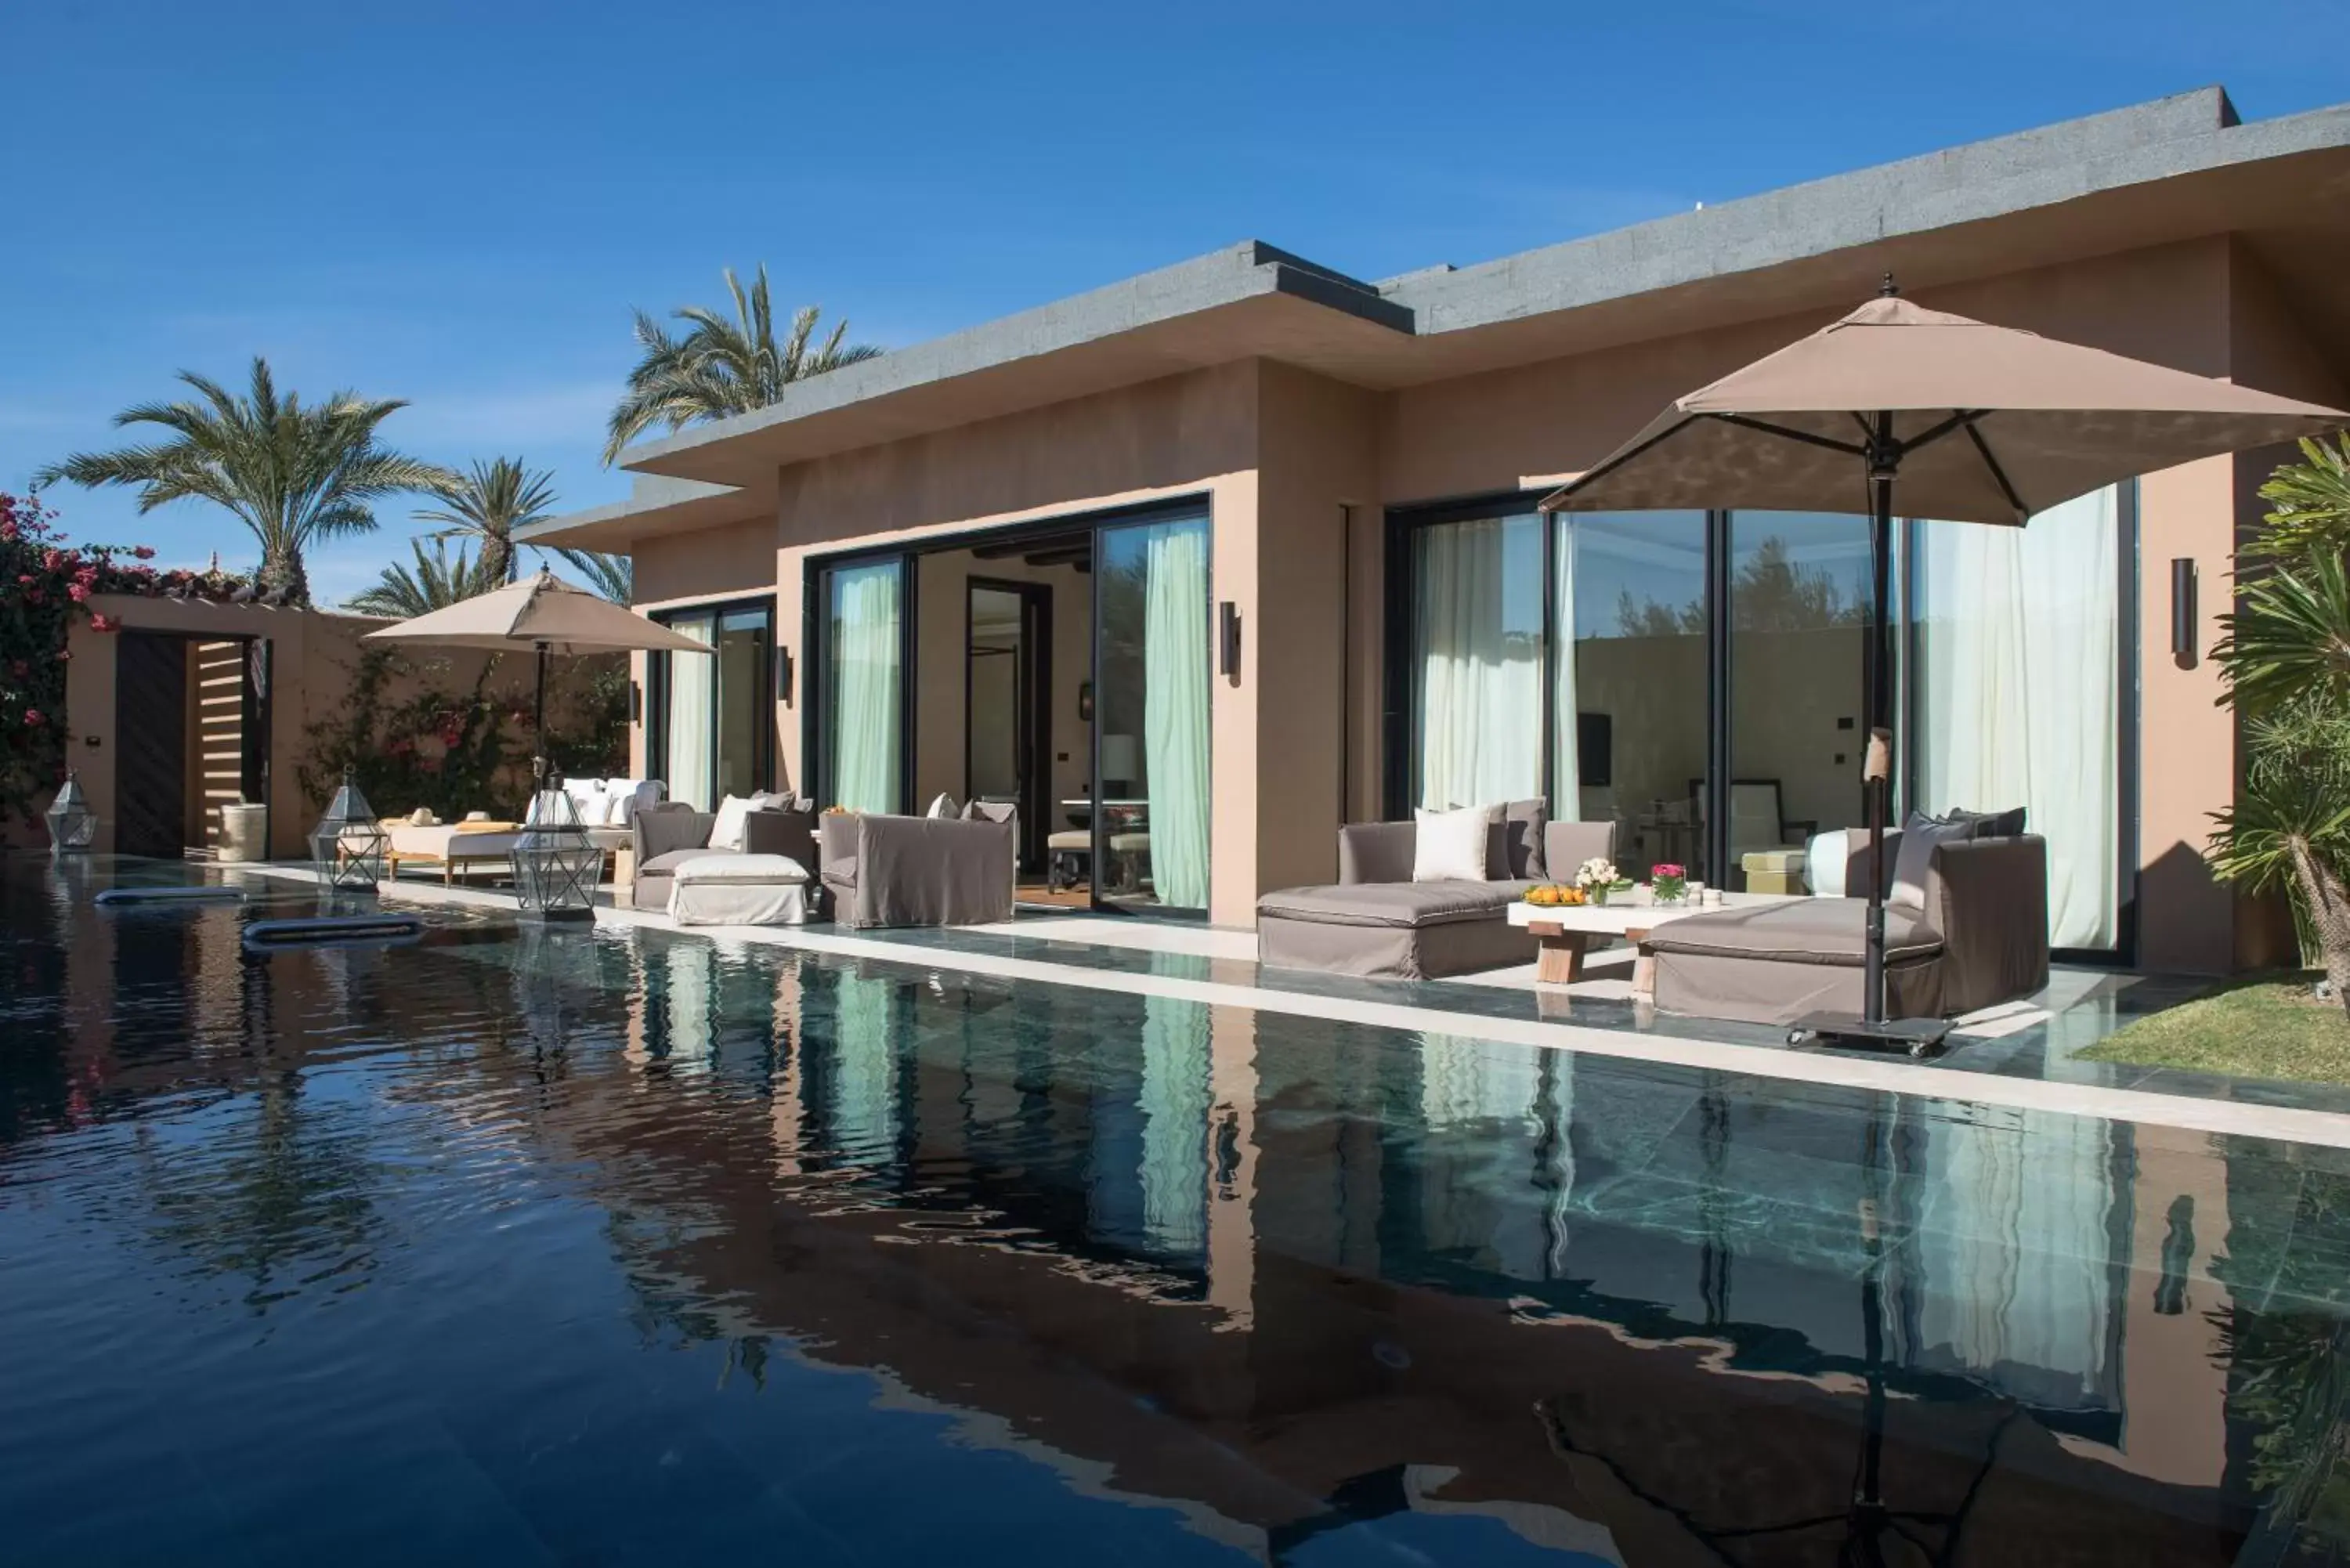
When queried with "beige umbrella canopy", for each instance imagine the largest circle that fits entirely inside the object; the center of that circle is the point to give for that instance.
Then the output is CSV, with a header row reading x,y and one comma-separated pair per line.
x,y
1976,423
547,616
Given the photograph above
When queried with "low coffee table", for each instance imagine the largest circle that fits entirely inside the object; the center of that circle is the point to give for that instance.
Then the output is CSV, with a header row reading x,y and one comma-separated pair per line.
x,y
1564,932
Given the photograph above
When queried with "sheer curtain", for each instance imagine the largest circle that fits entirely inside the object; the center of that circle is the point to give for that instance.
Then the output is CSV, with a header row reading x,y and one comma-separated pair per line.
x,y
693,685
864,1077
866,683
2020,693
1566,760
1480,676
1175,672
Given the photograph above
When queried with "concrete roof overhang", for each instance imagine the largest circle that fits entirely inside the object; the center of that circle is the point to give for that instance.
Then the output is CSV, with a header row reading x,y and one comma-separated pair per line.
x,y
2172,170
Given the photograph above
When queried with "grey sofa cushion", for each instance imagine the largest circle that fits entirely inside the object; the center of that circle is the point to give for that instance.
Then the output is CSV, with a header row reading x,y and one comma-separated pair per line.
x,y
1514,852
1404,905
667,863
1802,930
1922,835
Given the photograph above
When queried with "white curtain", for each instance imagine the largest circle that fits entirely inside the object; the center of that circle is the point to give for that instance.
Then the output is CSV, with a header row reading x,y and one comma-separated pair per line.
x,y
1566,759
866,683
1480,680
1175,672
1494,1129
1177,1097
691,687
2016,1266
2020,693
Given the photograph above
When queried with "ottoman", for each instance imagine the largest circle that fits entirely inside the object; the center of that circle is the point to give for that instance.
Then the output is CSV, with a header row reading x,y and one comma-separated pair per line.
x,y
739,890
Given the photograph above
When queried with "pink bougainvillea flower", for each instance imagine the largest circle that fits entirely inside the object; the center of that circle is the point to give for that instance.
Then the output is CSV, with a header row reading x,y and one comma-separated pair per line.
x,y
102,623
143,552
35,717
78,592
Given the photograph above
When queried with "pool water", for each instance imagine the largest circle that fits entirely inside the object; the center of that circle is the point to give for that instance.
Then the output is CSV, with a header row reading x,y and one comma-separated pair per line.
x,y
616,1246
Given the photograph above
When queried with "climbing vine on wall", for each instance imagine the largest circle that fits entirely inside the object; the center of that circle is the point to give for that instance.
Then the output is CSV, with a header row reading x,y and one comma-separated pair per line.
x,y
45,584
454,752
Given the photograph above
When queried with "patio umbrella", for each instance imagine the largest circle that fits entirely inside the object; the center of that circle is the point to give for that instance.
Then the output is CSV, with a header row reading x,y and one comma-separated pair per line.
x,y
547,615
1975,423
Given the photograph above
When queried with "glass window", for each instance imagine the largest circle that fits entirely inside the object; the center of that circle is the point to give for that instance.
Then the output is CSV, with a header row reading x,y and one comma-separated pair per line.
x,y
1628,683
2019,693
744,705
693,686
716,720
1800,594
1477,661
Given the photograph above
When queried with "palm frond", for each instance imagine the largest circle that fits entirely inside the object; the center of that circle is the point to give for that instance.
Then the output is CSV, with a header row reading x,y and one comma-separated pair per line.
x,y
720,365
614,576
434,582
290,472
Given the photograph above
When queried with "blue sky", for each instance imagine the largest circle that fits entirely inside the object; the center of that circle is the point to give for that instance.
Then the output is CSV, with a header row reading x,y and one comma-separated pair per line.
x,y
459,203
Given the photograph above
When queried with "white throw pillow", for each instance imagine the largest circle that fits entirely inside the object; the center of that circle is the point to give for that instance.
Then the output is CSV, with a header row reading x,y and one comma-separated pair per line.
x,y
727,831
1449,845
944,808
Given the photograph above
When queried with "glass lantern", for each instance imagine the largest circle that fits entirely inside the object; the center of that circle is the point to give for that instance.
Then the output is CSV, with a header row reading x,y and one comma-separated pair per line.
x,y
347,846
556,864
72,828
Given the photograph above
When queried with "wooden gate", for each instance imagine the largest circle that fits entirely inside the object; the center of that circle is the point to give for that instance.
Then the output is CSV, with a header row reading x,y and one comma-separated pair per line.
x,y
150,734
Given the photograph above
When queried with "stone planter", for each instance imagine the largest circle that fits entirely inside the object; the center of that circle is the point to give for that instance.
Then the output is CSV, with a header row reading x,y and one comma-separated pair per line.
x,y
243,835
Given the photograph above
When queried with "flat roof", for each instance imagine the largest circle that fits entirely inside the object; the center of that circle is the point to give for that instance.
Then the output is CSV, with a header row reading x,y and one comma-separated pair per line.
x,y
2171,169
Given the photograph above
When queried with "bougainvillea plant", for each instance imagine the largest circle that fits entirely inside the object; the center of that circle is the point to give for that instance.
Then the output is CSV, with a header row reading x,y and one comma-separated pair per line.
x,y
45,584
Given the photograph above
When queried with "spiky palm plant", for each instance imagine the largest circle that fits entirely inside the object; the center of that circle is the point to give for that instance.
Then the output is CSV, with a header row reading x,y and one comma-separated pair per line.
x,y
487,506
719,367
614,576
291,472
435,582
2312,500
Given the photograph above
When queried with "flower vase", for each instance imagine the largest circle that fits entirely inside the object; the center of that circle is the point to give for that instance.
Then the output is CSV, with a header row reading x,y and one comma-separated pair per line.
x,y
1598,895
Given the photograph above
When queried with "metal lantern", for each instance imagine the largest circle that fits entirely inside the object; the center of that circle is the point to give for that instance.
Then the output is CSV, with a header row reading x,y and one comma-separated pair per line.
x,y
72,826
347,846
556,866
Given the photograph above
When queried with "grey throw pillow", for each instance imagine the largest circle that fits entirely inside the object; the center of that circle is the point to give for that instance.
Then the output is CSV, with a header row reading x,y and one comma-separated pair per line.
x,y
1920,837
1514,847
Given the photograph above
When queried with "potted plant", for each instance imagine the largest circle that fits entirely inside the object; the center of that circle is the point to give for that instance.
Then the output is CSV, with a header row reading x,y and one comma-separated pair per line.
x,y
1668,882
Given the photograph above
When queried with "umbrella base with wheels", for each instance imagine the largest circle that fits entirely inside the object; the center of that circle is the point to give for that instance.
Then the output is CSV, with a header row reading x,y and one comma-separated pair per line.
x,y
1850,1032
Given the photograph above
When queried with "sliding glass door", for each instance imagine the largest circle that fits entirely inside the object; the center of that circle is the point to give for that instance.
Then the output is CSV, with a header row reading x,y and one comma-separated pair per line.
x,y
1153,656
714,717
1799,588
1629,683
864,701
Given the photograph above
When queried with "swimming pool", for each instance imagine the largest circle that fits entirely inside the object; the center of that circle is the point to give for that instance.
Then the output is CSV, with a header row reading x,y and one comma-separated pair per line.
x,y
621,1246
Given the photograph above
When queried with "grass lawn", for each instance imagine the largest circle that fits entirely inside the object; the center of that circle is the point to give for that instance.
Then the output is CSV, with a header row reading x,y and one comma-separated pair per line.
x,y
2260,1026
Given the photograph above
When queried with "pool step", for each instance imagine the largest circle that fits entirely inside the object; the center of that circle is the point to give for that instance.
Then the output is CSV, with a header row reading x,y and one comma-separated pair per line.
x,y
203,895
332,930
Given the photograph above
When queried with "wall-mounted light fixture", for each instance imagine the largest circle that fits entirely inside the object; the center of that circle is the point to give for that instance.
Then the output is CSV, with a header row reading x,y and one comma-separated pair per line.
x,y
636,703
2183,650
783,675
1228,641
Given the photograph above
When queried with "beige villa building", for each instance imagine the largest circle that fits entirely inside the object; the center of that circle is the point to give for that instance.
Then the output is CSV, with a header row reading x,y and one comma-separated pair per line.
x,y
1201,565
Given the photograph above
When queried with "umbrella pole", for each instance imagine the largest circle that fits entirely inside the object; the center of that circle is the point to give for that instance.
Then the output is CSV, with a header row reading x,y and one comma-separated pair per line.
x,y
1872,1030
1878,774
539,729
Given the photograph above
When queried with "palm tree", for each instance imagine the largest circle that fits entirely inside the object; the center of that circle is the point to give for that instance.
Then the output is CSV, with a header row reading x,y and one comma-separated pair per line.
x,y
488,505
721,367
614,576
435,582
294,474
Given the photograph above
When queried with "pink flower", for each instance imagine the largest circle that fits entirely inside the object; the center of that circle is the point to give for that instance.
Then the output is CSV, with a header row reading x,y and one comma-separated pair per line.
x,y
78,592
102,623
24,579
143,552
34,719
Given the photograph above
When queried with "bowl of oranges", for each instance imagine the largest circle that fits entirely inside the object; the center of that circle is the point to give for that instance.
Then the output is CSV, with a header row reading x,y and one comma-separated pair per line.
x,y
1549,896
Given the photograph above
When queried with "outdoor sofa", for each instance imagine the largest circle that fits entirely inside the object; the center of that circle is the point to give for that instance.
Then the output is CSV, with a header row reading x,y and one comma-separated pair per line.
x,y
777,852
883,870
1966,928
1377,921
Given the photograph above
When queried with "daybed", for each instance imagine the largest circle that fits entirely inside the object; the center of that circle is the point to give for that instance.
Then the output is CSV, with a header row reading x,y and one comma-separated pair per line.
x,y
1377,921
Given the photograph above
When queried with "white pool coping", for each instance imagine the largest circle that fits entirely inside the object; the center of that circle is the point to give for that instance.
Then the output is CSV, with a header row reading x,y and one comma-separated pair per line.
x,y
2186,1113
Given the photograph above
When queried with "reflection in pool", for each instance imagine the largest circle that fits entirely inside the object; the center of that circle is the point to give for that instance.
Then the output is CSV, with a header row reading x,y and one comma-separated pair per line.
x,y
619,1247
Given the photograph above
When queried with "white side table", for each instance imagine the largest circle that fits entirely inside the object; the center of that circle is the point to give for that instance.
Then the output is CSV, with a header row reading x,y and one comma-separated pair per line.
x,y
1563,933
